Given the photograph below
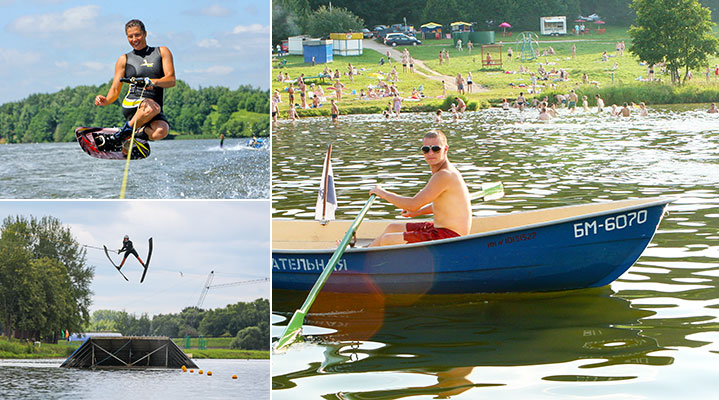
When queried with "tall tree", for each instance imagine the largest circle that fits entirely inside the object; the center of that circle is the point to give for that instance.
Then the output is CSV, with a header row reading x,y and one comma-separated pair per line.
x,y
285,23
44,281
324,21
675,32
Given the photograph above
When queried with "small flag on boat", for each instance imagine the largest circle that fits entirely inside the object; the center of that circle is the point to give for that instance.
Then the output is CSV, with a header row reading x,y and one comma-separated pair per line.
x,y
327,198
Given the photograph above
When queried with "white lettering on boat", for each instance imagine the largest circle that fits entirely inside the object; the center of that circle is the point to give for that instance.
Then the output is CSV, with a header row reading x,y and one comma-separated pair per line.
x,y
609,224
304,264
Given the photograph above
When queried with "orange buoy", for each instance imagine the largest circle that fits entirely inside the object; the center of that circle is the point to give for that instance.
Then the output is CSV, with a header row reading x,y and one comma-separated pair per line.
x,y
234,376
199,372
209,373
184,368
192,370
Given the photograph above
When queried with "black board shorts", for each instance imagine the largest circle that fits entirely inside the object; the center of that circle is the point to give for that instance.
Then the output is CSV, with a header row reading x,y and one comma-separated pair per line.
x,y
130,112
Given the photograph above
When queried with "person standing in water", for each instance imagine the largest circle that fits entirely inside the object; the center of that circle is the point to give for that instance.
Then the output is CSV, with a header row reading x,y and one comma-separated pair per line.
x,y
222,139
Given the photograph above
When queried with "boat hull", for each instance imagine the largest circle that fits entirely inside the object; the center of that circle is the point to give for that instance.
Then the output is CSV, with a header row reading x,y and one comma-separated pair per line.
x,y
570,253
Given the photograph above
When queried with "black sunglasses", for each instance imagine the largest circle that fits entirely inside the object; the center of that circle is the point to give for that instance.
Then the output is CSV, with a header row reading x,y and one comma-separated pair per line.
x,y
435,148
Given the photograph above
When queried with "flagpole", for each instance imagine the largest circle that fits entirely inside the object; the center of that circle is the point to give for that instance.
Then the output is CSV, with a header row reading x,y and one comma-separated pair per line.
x,y
327,170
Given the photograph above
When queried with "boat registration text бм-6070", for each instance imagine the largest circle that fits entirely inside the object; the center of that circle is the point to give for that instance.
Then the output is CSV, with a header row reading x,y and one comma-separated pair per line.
x,y
620,221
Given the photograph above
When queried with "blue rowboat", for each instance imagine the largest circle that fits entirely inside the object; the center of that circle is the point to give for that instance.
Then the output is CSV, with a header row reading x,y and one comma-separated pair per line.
x,y
560,248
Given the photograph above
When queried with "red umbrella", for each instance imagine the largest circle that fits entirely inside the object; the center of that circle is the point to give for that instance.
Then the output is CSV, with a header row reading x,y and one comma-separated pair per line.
x,y
599,22
504,26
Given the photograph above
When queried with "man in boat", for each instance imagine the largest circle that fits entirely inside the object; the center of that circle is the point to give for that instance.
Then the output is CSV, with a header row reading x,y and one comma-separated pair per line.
x,y
154,69
445,195
128,249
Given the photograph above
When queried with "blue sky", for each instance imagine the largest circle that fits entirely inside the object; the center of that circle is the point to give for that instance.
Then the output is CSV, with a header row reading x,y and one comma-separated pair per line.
x,y
48,45
191,238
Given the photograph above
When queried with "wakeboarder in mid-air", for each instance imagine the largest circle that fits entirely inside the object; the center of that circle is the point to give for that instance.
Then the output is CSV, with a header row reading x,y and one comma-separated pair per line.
x,y
128,248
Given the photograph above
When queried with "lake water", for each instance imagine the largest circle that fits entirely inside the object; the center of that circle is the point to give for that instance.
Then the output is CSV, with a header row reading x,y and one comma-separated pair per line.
x,y
43,379
176,169
652,334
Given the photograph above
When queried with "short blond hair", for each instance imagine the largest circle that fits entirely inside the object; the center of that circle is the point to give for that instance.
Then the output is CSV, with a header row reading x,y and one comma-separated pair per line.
x,y
436,133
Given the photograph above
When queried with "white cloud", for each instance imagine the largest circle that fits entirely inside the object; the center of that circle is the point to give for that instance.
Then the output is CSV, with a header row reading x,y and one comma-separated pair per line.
x,y
96,66
17,59
62,64
213,70
66,21
216,10
254,28
208,43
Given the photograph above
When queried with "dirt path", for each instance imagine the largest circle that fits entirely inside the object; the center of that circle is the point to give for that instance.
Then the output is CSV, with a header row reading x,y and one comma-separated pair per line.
x,y
420,67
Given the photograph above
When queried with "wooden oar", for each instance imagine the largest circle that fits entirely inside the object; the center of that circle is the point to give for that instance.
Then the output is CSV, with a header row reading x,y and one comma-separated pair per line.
x,y
490,191
294,327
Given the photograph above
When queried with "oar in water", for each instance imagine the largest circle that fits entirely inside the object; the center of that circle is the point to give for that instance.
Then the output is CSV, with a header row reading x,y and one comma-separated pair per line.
x,y
490,191
294,327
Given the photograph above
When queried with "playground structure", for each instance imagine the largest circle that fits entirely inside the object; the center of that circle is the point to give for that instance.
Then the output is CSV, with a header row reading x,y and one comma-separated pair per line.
x,y
491,55
528,43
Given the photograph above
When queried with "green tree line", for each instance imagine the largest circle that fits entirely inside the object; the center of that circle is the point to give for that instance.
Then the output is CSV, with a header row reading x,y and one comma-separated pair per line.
x,y
294,17
44,279
208,111
248,323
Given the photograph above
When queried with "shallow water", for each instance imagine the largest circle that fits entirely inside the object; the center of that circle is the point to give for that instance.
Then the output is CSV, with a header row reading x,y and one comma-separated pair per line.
x,y
176,169
44,379
653,333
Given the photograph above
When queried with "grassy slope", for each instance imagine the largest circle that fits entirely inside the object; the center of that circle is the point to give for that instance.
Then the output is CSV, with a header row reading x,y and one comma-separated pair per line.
x,y
17,349
248,116
588,60
217,348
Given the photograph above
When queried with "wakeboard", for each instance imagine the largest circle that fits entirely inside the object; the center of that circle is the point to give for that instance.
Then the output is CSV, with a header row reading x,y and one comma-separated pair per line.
x,y
107,253
100,143
147,261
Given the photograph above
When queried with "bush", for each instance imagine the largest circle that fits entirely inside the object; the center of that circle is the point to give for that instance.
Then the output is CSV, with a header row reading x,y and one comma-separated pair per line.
x,y
250,338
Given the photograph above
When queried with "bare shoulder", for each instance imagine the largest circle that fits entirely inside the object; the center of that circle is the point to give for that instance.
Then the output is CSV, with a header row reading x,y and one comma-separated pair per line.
x,y
165,51
448,176
121,61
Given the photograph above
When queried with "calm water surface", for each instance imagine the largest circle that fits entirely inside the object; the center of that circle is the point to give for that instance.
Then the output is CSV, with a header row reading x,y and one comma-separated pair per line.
x,y
44,379
652,334
176,169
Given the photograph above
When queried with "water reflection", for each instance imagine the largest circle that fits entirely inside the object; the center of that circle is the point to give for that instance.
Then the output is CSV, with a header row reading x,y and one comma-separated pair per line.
x,y
662,313
573,158
44,379
447,336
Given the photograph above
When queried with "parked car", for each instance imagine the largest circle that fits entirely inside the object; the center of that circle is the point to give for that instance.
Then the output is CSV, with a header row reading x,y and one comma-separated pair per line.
x,y
402,28
394,39
377,29
366,33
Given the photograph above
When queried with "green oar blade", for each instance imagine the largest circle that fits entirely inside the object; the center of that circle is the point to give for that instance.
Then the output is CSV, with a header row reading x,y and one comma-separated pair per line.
x,y
490,191
295,325
294,328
